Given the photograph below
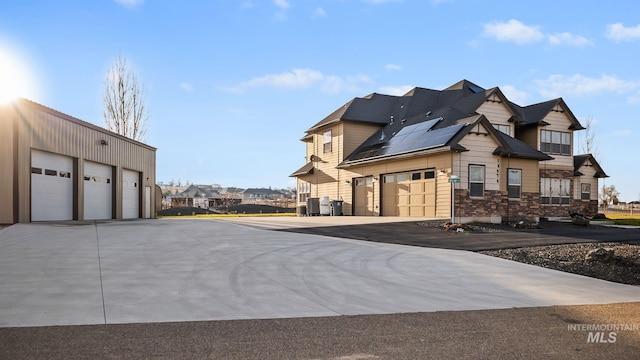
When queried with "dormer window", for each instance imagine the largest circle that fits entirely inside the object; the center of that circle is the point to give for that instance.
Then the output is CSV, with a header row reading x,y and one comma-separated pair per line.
x,y
555,142
503,128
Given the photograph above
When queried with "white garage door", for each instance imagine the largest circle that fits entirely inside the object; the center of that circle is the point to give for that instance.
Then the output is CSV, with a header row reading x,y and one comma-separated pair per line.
x,y
130,194
98,190
51,186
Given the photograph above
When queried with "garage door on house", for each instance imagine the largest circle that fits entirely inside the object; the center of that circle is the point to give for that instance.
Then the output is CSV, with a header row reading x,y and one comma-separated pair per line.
x,y
98,191
363,196
130,194
409,194
51,186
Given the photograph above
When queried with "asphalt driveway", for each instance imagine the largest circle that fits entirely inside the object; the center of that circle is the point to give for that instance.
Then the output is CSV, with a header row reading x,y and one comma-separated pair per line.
x,y
191,270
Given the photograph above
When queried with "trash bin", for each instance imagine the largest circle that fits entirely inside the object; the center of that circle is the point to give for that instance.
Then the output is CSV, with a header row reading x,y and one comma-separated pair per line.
x,y
313,206
302,210
336,207
325,206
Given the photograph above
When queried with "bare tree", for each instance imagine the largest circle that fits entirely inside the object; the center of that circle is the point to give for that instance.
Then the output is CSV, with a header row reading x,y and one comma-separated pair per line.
x,y
588,144
124,106
607,195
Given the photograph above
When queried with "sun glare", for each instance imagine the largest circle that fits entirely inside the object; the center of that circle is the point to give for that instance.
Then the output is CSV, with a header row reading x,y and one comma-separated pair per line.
x,y
14,77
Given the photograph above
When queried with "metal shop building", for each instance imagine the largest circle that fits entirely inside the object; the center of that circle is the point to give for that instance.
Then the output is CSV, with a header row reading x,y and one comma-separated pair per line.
x,y
54,167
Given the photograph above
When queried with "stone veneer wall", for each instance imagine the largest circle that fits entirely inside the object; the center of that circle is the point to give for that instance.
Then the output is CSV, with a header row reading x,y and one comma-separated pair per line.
x,y
588,208
496,203
549,210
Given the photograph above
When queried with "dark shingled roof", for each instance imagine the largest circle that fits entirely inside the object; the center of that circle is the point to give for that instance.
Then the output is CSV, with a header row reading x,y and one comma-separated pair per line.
x,y
535,113
305,170
579,160
454,108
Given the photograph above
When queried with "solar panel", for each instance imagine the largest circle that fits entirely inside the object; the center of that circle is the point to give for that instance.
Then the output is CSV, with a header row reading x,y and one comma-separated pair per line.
x,y
410,138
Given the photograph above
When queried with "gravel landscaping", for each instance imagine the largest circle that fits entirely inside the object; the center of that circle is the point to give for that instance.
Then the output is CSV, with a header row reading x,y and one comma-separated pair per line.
x,y
621,266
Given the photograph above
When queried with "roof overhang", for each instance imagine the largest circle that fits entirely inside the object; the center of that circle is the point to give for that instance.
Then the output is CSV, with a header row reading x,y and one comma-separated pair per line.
x,y
400,156
305,170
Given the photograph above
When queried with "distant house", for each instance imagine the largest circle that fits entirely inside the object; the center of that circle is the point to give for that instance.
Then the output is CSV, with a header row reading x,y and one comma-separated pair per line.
x,y
466,148
203,196
255,195
195,196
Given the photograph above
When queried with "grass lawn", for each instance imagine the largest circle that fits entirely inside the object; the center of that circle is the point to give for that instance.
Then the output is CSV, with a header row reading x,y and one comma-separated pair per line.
x,y
624,219
214,216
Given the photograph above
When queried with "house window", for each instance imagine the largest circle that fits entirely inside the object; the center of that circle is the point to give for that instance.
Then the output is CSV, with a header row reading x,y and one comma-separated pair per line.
x,y
360,182
430,174
476,180
555,142
304,191
326,142
555,191
416,176
585,191
514,183
389,179
401,177
503,128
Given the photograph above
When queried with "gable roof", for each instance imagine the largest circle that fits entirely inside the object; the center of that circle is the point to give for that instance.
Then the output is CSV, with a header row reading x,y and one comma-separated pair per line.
x,y
534,114
580,160
195,191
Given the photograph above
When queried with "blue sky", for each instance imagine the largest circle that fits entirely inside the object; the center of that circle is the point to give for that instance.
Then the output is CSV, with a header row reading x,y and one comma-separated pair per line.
x,y
233,85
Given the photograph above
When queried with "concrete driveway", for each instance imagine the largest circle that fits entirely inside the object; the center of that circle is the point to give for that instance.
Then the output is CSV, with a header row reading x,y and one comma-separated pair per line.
x,y
186,270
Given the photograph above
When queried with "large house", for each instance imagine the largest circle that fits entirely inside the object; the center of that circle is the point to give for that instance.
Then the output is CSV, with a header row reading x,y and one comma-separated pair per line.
x,y
420,153
56,167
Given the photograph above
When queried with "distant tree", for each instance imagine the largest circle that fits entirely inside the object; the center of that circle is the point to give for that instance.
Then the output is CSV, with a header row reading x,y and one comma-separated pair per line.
x,y
607,195
124,107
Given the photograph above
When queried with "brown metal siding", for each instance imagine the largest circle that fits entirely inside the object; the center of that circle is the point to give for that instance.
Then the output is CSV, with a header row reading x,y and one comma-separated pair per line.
x,y
47,130
6,167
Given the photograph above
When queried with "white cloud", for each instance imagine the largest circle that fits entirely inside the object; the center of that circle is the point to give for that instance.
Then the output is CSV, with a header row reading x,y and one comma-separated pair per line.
x,y
513,31
396,90
319,13
380,1
519,33
580,85
282,4
393,67
618,32
302,79
515,95
566,38
186,86
622,133
130,3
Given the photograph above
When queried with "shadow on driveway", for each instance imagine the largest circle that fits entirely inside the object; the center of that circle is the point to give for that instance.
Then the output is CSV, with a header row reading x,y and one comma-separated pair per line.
x,y
415,234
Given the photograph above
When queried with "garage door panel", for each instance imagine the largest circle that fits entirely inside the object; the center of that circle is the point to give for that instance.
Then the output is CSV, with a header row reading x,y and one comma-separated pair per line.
x,y
51,187
415,194
98,191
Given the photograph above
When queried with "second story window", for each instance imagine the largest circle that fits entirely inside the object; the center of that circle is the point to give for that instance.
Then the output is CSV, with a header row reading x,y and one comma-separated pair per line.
x,y
326,142
503,128
555,142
